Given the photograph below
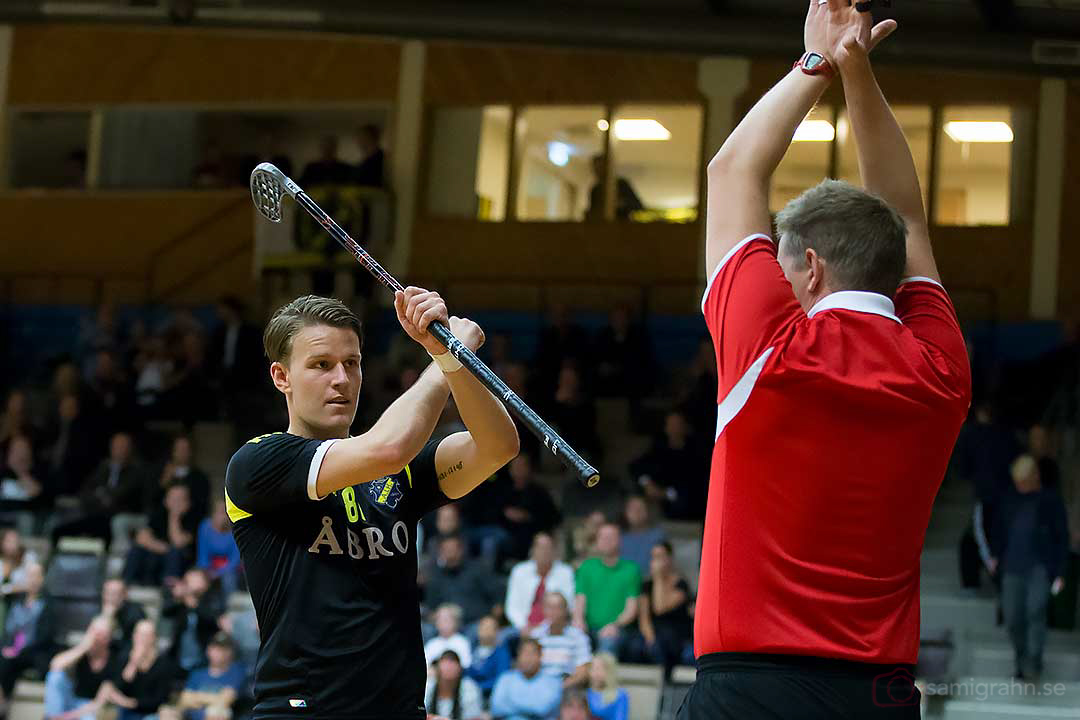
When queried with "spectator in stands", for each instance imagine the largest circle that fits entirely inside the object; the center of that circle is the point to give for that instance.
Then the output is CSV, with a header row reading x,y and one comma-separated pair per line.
x,y
216,549
111,394
15,563
21,486
235,351
242,625
153,367
561,340
180,470
565,650
607,701
525,693
72,451
697,394
370,170
209,172
526,506
448,637
188,384
1040,447
221,683
450,693
639,535
146,680
115,487
165,548
984,451
328,169
574,706
1029,552
674,473
573,413
124,613
195,609
490,655
532,579
664,614
15,421
447,523
19,642
583,534
626,199
471,586
625,363
607,592
76,676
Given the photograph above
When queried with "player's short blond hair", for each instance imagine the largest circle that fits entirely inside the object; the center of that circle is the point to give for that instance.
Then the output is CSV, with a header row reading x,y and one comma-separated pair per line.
x,y
304,312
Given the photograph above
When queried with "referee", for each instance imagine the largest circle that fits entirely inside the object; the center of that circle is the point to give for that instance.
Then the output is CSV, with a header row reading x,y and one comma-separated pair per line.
x,y
843,383
326,523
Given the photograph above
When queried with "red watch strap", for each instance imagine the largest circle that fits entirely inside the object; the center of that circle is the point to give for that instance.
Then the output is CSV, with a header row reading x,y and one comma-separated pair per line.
x,y
823,68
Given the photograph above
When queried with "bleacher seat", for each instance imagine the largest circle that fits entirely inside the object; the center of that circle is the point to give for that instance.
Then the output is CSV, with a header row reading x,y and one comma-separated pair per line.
x,y
28,701
643,684
73,583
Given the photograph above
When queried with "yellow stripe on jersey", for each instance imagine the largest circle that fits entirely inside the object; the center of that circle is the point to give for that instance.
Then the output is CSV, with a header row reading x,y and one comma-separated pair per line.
x,y
408,474
235,513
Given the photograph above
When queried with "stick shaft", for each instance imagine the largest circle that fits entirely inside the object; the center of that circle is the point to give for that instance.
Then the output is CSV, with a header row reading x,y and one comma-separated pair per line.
x,y
517,407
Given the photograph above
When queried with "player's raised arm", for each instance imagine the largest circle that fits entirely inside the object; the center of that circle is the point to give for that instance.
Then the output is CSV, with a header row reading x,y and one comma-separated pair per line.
x,y
465,459
739,174
885,161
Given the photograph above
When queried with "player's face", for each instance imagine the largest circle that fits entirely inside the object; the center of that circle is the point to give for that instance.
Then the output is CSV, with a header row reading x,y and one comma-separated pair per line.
x,y
323,379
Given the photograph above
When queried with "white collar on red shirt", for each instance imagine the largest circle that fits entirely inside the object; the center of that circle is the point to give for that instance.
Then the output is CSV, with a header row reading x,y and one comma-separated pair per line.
x,y
864,302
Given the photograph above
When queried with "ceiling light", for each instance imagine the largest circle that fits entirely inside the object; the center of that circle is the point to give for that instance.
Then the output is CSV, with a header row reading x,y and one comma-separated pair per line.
x,y
815,131
979,132
641,129
602,125
559,153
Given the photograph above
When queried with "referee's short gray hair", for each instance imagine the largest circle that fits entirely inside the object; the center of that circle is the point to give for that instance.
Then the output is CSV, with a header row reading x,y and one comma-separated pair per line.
x,y
861,239
304,312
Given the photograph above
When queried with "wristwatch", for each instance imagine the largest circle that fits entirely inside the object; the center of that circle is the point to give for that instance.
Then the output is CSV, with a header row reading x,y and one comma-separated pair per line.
x,y
813,63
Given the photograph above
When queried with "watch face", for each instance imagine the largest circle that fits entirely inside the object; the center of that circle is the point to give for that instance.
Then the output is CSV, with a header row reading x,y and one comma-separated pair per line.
x,y
812,61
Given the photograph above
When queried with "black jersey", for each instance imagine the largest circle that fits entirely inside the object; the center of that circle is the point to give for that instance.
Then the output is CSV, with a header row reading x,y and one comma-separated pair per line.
x,y
333,580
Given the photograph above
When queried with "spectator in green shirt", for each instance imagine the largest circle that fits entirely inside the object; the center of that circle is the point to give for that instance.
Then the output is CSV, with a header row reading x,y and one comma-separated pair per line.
x,y
607,592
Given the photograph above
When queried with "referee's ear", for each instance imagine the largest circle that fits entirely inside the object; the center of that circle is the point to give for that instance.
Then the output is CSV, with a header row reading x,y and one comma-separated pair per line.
x,y
815,264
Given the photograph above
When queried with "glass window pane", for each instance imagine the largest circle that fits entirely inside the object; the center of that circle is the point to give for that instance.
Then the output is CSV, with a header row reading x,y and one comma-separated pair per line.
x,y
470,162
48,149
555,151
915,121
807,160
974,166
655,153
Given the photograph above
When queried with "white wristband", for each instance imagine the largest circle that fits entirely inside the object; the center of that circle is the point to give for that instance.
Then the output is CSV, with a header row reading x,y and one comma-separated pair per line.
x,y
447,362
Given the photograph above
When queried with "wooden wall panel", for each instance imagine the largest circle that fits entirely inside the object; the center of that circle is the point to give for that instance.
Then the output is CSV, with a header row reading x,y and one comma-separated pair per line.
x,y
479,74
102,64
1069,267
610,261
193,243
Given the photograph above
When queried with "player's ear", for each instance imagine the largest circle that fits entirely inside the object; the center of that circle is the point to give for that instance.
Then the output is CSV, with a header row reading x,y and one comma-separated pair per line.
x,y
814,264
279,374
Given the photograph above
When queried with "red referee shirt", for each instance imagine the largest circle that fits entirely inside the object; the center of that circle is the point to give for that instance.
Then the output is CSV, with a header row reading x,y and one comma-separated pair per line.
x,y
834,429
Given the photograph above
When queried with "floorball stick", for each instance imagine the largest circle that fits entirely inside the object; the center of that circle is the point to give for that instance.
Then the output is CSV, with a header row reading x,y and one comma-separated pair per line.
x,y
269,185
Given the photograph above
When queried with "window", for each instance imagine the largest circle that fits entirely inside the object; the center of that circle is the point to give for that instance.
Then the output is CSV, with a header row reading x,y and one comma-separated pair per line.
x,y
555,151
807,161
470,162
974,165
915,121
655,154
49,149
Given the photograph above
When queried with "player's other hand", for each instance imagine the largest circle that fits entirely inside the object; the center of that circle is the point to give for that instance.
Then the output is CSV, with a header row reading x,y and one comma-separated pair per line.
x,y
416,309
469,333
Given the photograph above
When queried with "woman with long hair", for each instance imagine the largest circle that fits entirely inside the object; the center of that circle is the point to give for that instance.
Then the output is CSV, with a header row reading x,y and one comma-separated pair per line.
x,y
450,693
664,611
607,701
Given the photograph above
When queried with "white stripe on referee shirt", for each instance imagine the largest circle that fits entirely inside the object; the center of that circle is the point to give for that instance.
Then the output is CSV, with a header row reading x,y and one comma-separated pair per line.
x,y
313,469
919,278
740,393
728,256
